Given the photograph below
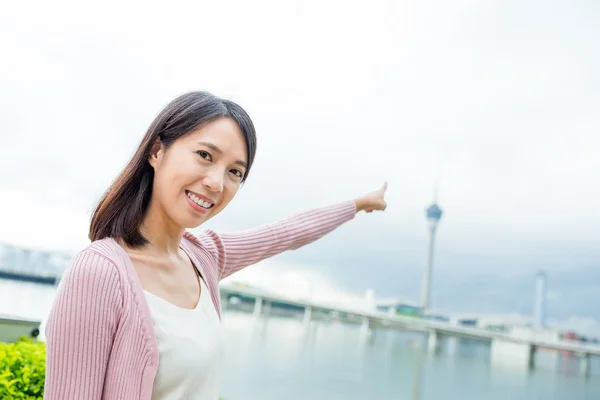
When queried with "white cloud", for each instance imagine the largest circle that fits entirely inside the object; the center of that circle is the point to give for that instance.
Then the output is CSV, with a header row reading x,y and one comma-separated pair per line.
x,y
298,282
42,222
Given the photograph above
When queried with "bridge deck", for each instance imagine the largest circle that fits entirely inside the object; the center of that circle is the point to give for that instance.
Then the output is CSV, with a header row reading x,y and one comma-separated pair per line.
x,y
416,324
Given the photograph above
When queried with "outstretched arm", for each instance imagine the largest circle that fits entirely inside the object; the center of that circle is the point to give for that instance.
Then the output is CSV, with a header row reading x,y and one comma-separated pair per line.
x,y
234,251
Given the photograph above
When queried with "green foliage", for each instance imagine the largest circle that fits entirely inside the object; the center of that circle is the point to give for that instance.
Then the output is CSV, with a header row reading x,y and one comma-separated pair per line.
x,y
22,370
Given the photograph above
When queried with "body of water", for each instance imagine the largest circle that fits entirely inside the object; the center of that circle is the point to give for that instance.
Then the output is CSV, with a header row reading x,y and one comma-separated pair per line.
x,y
282,358
275,358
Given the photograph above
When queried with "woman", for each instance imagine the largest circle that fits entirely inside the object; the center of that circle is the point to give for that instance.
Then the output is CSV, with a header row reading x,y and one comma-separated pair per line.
x,y
137,313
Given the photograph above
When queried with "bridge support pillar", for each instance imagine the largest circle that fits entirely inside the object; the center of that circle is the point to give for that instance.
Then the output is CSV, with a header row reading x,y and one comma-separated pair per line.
x,y
515,355
433,343
257,306
451,345
307,315
365,326
585,365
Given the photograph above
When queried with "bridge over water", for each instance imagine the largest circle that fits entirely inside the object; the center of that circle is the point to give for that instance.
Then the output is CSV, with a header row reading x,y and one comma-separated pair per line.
x,y
517,348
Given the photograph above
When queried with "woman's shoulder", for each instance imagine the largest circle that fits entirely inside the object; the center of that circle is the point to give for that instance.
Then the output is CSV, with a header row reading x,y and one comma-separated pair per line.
x,y
205,240
101,257
205,245
107,248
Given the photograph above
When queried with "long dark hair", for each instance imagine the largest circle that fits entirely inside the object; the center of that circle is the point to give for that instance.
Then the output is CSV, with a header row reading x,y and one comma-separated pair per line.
x,y
121,210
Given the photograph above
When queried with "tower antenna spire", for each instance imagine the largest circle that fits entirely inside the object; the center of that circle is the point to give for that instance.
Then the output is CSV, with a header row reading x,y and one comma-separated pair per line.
x,y
436,184
433,214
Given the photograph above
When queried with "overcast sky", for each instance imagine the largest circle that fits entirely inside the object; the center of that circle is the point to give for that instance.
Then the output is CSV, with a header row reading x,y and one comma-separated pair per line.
x,y
497,100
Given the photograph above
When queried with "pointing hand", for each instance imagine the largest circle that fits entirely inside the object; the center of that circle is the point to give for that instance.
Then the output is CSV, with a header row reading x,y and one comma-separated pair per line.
x,y
372,201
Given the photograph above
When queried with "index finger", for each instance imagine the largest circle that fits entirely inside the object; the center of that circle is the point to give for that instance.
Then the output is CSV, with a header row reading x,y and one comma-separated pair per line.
x,y
384,187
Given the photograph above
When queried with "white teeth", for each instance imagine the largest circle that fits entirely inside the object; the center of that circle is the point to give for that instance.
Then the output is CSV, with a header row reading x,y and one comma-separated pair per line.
x,y
198,201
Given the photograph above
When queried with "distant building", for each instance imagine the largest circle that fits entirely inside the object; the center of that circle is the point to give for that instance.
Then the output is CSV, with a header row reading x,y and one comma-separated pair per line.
x,y
29,265
539,305
399,307
467,322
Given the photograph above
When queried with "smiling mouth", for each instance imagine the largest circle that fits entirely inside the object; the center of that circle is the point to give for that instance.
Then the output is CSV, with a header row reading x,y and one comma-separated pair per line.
x,y
198,201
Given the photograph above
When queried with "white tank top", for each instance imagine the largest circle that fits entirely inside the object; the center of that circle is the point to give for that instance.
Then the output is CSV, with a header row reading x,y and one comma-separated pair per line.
x,y
190,347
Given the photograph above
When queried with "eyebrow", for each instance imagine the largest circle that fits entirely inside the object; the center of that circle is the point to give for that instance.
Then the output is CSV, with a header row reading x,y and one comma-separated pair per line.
x,y
218,150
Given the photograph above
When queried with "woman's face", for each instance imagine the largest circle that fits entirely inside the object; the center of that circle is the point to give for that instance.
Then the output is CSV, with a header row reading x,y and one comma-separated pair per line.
x,y
199,174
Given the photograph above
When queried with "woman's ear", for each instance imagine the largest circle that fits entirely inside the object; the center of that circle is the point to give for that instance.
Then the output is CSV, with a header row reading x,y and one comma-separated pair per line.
x,y
156,153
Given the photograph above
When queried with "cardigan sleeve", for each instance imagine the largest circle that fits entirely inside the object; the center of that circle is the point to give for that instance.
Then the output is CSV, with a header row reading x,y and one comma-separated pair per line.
x,y
235,251
80,328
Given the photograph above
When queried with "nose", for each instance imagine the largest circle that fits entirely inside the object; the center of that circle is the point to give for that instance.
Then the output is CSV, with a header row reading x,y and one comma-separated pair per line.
x,y
213,181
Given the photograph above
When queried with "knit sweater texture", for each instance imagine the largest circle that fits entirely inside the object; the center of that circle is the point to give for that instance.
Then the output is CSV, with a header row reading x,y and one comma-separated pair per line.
x,y
99,333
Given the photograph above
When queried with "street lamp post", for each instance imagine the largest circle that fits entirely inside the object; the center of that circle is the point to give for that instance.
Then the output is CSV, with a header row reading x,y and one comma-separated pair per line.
x,y
434,214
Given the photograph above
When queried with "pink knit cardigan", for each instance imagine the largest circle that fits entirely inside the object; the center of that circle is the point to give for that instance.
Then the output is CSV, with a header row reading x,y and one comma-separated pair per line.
x,y
99,334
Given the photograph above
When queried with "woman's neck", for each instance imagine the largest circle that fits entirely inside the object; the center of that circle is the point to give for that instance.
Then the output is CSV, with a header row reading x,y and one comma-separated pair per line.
x,y
164,236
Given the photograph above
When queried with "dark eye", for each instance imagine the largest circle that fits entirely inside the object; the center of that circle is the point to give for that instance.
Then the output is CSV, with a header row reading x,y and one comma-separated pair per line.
x,y
204,155
237,173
